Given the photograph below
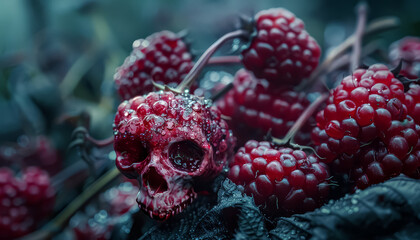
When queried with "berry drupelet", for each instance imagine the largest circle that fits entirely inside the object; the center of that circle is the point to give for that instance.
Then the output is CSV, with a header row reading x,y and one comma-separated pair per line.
x,y
162,57
281,51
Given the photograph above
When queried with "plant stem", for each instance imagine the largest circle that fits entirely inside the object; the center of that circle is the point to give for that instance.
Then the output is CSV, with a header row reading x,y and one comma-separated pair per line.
x,y
224,60
100,143
199,65
375,26
301,120
222,92
357,45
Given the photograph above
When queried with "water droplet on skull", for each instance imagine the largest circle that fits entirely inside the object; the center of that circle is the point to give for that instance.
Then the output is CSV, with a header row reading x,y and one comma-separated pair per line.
x,y
170,125
153,121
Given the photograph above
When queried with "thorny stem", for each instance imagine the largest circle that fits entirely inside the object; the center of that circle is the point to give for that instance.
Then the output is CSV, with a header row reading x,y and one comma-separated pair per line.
x,y
301,120
58,222
199,65
374,27
224,60
357,44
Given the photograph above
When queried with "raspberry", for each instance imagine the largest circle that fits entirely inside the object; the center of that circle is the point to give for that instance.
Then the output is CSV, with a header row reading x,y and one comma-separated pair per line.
x,y
162,57
408,50
23,202
412,100
254,104
368,112
37,151
282,181
45,156
281,51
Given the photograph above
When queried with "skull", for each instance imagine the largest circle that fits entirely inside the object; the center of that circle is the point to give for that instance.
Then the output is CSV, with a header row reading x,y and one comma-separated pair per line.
x,y
170,143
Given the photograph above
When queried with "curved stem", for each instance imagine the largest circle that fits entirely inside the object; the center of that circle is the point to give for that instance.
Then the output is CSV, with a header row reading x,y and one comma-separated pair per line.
x,y
301,120
224,60
100,143
58,222
375,26
357,45
199,65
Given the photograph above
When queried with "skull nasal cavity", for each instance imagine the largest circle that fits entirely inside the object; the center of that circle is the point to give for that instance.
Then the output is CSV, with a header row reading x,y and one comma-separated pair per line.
x,y
153,180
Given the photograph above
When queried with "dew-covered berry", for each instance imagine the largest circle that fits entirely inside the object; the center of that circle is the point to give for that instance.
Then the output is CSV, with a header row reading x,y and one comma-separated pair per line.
x,y
163,57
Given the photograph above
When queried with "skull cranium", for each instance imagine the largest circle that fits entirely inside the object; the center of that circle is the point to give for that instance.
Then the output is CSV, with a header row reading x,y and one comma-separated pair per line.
x,y
170,143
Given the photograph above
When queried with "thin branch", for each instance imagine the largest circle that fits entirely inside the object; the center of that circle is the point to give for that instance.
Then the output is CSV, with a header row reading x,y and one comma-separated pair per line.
x,y
222,92
375,26
224,60
199,65
357,45
301,120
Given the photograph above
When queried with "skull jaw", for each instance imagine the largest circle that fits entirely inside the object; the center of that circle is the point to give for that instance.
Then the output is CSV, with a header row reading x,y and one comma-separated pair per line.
x,y
162,206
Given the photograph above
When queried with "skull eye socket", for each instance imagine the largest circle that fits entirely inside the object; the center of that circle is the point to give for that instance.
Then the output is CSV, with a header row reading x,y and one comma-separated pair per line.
x,y
133,150
186,156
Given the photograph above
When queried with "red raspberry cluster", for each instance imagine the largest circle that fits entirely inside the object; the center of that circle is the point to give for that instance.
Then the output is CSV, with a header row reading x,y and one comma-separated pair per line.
x,y
282,181
24,202
254,104
281,50
162,57
367,130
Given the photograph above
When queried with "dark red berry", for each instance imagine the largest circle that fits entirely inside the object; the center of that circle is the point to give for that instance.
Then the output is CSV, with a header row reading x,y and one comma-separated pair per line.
x,y
367,130
281,50
45,156
282,181
412,100
255,108
408,50
162,57
24,202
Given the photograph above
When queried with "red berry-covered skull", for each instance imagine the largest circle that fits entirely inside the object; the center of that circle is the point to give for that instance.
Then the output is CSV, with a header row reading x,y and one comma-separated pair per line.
x,y
170,143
